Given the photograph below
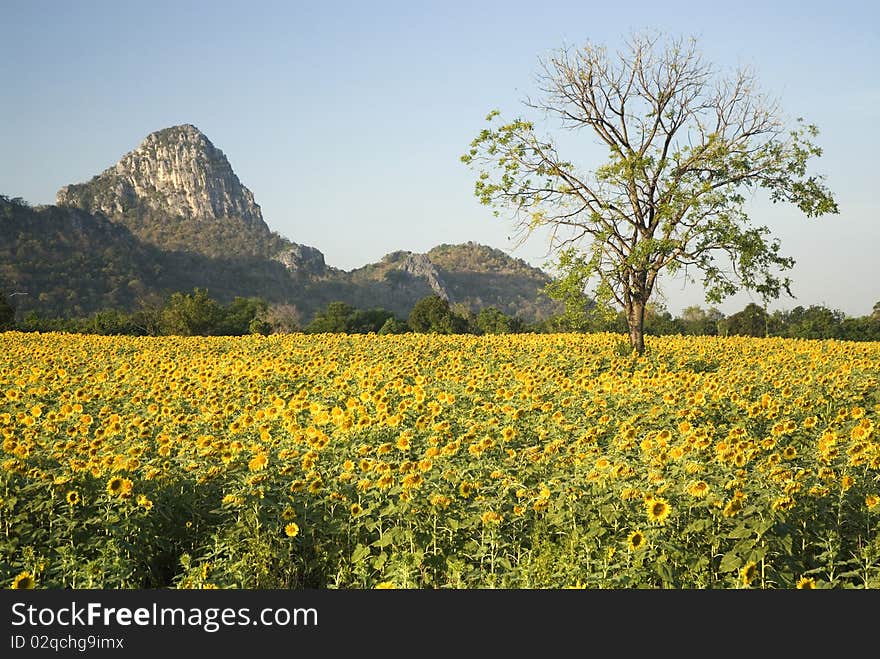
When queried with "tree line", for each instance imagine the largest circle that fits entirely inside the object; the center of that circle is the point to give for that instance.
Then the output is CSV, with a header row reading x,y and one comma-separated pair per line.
x,y
198,314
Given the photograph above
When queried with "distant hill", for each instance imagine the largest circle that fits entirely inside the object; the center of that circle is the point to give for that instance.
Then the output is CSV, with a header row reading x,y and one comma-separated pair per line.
x,y
172,215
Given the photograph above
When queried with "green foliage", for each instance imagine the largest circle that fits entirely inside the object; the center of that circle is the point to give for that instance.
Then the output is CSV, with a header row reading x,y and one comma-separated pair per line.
x,y
684,150
815,322
245,316
394,326
433,315
751,321
7,312
491,321
192,314
340,317
697,321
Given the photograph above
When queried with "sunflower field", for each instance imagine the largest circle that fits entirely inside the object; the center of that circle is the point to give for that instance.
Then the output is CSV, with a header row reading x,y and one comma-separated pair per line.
x,y
429,461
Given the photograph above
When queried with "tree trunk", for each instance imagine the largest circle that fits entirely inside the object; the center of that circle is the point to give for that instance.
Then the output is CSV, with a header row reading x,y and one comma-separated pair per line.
x,y
635,318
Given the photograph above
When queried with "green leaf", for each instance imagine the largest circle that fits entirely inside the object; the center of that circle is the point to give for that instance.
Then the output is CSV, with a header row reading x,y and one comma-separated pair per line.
x,y
730,562
698,526
663,571
385,539
360,552
741,531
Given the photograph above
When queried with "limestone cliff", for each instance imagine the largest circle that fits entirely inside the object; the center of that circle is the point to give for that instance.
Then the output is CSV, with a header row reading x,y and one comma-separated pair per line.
x,y
177,191
177,171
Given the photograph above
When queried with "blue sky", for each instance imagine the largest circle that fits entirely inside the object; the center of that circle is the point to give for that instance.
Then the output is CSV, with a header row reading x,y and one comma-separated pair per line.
x,y
347,119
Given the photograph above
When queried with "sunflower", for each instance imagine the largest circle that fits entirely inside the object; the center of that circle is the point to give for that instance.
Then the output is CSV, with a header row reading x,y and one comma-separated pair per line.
x,y
783,503
636,540
232,500
748,572
258,462
73,497
291,530
698,489
385,585
24,581
440,500
806,583
872,500
114,486
658,509
491,517
733,507
356,509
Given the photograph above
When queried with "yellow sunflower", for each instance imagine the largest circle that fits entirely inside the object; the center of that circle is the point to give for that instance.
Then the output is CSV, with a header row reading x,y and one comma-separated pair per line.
x,y
114,486
698,489
24,581
748,572
258,462
806,583
658,509
636,540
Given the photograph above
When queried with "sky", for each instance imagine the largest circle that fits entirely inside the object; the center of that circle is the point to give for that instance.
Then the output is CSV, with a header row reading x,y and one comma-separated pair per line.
x,y
347,120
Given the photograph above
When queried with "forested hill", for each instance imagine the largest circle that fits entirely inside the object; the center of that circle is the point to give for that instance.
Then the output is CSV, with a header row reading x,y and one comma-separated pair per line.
x,y
171,215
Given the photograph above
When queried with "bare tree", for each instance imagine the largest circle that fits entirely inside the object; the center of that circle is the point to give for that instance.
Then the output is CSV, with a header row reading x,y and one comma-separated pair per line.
x,y
684,145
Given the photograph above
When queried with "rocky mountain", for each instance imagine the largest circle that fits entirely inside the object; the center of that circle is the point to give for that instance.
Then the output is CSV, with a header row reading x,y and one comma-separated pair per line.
x,y
469,275
172,215
177,191
176,171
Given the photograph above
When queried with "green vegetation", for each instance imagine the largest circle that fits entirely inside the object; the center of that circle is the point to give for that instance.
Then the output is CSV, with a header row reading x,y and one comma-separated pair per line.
x,y
685,149
342,317
432,315
436,462
198,314
72,264
7,312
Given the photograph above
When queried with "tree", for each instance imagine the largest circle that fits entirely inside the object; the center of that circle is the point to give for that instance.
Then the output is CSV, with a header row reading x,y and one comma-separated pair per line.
x,y
245,315
815,322
364,321
432,315
751,321
491,320
659,322
7,312
393,326
283,318
700,322
684,147
192,314
335,318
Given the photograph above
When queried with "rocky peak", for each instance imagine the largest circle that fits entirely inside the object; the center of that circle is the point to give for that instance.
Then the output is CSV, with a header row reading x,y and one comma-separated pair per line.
x,y
420,266
302,259
175,171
